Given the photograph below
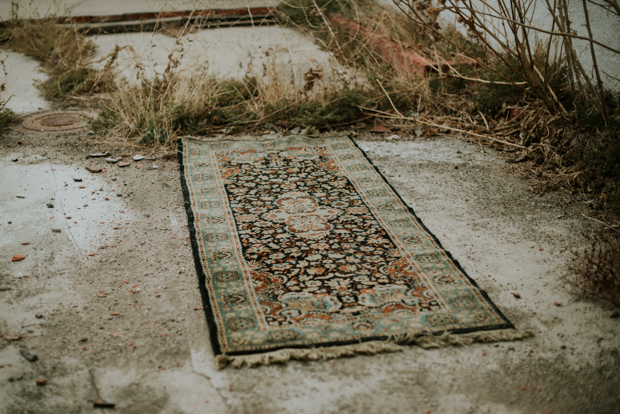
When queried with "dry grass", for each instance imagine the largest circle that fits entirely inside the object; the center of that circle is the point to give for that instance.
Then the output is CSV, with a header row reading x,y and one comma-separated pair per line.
x,y
66,56
595,269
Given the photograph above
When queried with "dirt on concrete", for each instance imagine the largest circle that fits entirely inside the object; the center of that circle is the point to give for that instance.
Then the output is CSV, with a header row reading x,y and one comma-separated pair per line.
x,y
107,295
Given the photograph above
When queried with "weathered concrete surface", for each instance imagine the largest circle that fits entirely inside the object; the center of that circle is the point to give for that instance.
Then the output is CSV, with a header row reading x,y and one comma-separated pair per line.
x,y
155,356
232,52
39,8
19,76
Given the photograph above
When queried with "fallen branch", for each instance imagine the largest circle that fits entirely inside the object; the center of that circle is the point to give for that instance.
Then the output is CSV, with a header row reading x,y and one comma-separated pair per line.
x,y
388,115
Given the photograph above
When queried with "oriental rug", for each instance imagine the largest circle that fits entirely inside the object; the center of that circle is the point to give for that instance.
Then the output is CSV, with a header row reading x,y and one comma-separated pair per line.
x,y
304,251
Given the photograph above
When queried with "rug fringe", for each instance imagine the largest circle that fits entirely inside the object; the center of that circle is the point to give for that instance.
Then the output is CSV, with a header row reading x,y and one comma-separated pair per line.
x,y
427,341
393,344
309,354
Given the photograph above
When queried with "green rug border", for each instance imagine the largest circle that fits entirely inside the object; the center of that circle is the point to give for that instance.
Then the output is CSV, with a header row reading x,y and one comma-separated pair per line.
x,y
206,305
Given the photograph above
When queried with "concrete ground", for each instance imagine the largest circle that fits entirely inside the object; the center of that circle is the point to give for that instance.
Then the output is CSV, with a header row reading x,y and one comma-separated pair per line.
x,y
123,247
106,295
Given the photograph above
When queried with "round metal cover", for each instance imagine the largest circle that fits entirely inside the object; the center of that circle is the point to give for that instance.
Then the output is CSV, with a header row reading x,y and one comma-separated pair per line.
x,y
54,121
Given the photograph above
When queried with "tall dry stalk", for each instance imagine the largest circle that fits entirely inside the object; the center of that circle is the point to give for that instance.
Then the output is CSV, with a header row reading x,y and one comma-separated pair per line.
x,y
505,29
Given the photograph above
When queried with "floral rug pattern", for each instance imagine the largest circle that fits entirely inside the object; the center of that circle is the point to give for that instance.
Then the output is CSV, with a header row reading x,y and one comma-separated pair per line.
x,y
300,242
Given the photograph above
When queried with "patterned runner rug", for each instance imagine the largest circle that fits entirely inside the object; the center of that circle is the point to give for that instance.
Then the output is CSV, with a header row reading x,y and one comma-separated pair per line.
x,y
304,251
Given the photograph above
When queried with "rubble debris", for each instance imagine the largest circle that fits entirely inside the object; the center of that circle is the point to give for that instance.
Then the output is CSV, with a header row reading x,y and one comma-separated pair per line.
x,y
380,129
41,382
28,355
112,160
18,257
77,180
138,157
123,164
99,155
20,196
94,170
56,230
50,205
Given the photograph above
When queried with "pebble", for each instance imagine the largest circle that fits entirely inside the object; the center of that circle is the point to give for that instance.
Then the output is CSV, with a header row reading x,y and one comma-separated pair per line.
x,y
104,403
138,157
50,205
90,133
94,169
14,160
99,154
77,180
28,355
112,160
154,167
18,257
39,315
56,230
123,164
85,205
391,137
20,196
41,382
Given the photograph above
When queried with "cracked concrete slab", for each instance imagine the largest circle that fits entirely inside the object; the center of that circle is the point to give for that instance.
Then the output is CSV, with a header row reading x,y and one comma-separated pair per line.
x,y
222,52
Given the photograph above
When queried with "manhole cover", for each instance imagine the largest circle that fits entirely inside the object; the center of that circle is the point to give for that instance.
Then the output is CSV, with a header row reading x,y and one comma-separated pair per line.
x,y
54,121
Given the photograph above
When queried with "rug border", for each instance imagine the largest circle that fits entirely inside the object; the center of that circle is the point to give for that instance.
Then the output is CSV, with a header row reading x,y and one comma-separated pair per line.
x,y
206,304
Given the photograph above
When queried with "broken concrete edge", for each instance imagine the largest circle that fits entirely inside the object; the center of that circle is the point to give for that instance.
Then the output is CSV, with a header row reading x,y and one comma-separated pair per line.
x,y
151,25
166,16
392,344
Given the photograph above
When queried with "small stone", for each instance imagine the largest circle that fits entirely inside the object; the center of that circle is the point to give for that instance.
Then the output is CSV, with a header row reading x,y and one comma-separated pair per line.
x,y
112,160
28,355
557,303
104,403
615,314
38,315
56,230
516,295
123,164
113,179
392,137
14,160
94,170
18,257
90,133
99,154
41,382
50,205
77,180
85,205
379,129
20,196
419,133
154,167
138,157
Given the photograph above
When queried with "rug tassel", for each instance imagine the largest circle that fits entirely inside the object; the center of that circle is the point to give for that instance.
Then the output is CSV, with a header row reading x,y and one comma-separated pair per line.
x,y
427,341
310,354
394,344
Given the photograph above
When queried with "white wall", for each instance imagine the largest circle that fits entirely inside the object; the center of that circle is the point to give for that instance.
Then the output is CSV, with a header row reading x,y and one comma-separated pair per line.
x,y
605,28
